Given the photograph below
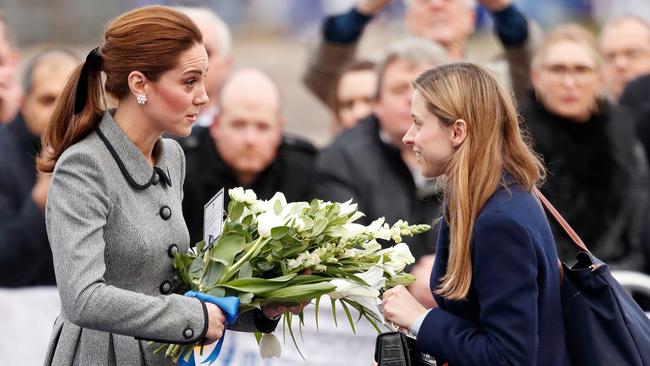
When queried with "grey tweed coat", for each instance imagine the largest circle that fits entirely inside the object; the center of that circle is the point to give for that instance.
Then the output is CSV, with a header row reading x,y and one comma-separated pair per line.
x,y
114,223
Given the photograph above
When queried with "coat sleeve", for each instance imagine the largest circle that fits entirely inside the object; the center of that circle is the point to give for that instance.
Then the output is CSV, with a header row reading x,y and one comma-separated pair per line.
x,y
504,278
77,211
335,176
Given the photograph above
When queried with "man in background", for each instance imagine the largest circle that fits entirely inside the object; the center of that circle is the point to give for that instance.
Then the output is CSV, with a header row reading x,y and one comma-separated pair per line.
x,y
25,256
10,90
245,146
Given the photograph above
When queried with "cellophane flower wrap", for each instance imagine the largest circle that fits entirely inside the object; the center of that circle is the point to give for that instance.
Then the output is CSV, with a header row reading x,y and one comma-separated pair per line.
x,y
272,251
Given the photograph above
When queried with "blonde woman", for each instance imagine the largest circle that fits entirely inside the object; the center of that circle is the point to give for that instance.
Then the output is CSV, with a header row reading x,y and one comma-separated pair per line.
x,y
495,279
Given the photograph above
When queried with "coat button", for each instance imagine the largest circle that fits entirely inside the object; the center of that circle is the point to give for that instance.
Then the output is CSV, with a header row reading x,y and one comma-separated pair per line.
x,y
165,287
173,249
165,212
155,178
188,333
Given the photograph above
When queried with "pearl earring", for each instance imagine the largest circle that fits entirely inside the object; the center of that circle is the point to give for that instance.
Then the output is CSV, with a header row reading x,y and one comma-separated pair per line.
x,y
141,98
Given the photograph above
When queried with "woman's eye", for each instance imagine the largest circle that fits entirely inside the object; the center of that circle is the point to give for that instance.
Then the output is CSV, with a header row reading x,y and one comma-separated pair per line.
x,y
190,82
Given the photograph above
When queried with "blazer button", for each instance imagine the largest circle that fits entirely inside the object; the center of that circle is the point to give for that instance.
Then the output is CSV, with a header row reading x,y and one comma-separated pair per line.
x,y
173,249
188,333
165,287
155,178
165,212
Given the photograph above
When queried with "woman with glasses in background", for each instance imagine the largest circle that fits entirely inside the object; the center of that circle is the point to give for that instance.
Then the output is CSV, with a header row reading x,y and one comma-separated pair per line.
x,y
597,174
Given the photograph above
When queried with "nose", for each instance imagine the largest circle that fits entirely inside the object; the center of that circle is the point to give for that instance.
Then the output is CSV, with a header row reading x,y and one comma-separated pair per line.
x,y
408,137
202,98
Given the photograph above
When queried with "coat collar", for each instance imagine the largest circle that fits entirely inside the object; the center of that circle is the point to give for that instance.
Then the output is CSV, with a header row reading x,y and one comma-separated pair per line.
x,y
132,163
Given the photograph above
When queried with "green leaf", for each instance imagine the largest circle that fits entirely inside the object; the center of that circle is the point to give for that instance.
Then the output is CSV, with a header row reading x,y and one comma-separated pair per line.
x,y
279,232
235,209
200,246
258,285
227,247
347,313
246,270
258,337
245,298
288,316
300,292
319,225
317,305
334,311
216,292
212,274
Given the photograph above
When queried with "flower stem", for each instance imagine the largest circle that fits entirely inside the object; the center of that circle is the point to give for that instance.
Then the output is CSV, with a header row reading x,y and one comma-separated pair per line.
x,y
259,243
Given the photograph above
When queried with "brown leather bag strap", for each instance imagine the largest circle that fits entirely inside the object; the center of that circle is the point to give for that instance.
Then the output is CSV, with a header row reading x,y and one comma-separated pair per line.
x,y
565,225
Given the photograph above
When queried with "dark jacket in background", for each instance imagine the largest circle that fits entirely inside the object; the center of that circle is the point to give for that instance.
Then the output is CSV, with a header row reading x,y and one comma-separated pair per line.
x,y
512,314
598,180
290,173
25,255
636,98
359,165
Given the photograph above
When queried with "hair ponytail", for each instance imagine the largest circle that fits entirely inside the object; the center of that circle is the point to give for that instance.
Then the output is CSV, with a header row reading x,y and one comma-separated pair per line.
x,y
78,112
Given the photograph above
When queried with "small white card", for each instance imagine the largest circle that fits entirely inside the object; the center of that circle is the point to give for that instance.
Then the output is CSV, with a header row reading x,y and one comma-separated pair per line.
x,y
213,218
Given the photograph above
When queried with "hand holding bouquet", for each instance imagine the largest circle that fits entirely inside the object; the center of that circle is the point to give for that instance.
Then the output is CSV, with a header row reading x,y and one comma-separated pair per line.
x,y
274,252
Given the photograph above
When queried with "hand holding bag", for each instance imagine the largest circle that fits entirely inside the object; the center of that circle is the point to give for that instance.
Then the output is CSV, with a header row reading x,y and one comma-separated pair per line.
x,y
398,349
603,324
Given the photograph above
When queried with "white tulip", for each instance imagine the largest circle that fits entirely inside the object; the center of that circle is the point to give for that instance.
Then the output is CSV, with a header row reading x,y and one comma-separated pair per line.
x,y
267,221
238,194
270,346
278,197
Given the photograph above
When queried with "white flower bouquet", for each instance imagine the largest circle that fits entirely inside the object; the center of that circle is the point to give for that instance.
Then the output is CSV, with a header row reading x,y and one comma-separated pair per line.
x,y
278,252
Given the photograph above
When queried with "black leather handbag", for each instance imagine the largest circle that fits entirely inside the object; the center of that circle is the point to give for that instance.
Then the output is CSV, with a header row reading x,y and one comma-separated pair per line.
x,y
398,349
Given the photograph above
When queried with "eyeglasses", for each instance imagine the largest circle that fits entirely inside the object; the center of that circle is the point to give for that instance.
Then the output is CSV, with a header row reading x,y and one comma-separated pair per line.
x,y
579,73
629,53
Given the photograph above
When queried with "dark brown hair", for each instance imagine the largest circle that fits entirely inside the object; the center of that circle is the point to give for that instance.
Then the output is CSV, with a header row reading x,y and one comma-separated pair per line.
x,y
148,39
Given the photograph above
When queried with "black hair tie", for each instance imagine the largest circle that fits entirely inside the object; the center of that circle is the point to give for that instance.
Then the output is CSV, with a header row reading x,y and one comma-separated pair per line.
x,y
93,62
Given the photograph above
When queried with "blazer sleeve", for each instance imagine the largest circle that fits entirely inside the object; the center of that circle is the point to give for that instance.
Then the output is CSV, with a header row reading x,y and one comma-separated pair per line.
x,y
504,278
77,210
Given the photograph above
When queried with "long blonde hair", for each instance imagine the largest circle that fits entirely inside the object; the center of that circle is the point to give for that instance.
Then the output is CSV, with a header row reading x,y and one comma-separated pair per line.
x,y
494,144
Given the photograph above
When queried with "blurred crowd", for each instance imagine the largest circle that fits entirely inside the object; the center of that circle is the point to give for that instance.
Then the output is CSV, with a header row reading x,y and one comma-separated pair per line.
x,y
582,93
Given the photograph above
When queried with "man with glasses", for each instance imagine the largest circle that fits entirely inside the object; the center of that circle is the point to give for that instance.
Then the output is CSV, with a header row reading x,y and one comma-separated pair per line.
x,y
625,44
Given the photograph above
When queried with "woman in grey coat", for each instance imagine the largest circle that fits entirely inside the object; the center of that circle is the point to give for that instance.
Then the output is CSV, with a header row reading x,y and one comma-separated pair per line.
x,y
114,216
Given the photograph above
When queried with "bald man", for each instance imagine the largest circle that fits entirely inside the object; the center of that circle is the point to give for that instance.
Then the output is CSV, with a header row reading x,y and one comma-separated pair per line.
x,y
625,44
25,258
245,146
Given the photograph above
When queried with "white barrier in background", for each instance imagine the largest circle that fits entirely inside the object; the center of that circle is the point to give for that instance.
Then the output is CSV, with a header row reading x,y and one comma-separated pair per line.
x,y
26,319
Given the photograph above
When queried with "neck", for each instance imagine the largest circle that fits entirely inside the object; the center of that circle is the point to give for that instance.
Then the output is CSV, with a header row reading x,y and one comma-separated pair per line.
x,y
132,121
455,51
245,179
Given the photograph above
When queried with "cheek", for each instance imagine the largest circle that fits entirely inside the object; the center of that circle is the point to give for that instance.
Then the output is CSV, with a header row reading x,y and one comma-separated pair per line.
x,y
174,99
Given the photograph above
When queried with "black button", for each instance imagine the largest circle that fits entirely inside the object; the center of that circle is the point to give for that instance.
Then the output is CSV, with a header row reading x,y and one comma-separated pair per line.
x,y
188,333
155,178
173,249
165,287
165,212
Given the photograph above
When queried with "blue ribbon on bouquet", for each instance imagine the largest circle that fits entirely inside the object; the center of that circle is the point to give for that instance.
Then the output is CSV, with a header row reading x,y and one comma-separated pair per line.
x,y
230,307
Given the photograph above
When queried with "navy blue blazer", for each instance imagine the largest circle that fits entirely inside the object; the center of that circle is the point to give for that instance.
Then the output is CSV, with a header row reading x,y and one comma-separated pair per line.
x,y
512,315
